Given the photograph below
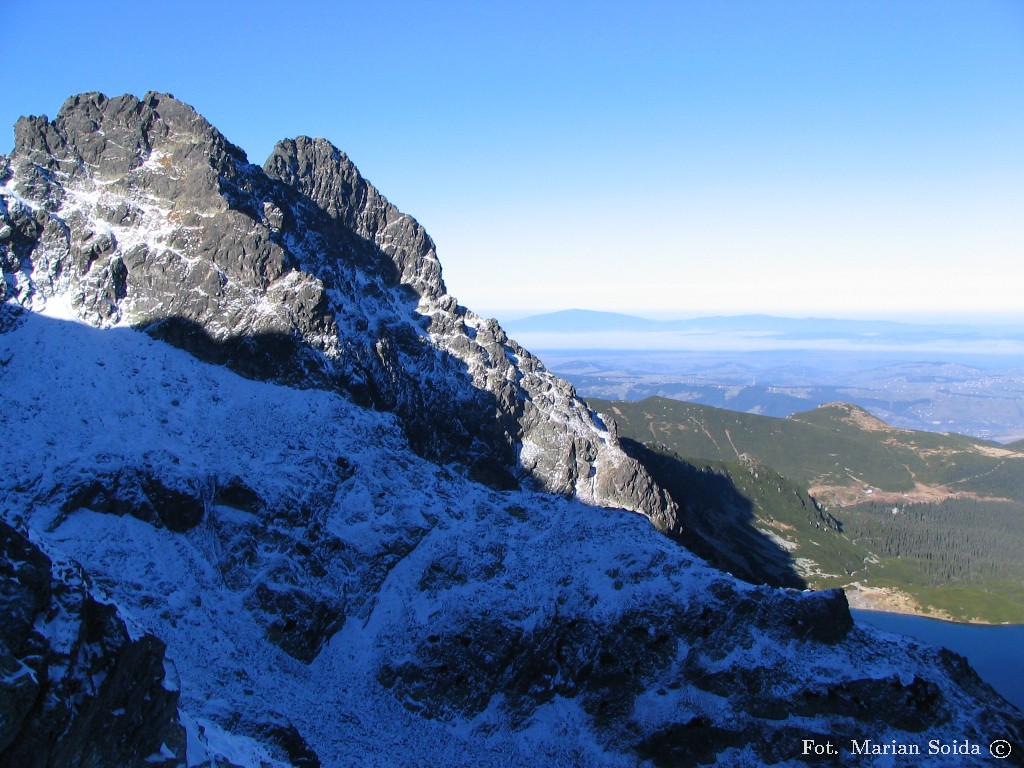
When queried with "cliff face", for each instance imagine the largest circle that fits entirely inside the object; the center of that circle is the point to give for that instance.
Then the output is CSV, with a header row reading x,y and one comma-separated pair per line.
x,y
77,688
141,213
287,501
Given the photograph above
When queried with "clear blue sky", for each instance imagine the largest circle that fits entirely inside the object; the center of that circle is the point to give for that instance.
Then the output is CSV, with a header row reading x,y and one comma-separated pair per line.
x,y
800,157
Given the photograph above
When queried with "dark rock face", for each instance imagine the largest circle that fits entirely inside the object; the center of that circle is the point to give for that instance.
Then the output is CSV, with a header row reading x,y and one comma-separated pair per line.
x,y
689,657
321,172
285,741
695,742
141,494
140,212
458,675
300,622
299,619
821,616
715,519
76,688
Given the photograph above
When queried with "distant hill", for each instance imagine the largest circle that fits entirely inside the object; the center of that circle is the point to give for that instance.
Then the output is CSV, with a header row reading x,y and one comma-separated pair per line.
x,y
972,393
809,328
939,517
581,321
839,451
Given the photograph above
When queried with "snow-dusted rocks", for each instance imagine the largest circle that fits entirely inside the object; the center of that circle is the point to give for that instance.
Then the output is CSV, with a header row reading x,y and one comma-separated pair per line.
x,y
76,686
139,212
332,584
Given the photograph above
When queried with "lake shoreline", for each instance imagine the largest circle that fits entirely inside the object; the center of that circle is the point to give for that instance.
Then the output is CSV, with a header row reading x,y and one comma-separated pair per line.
x,y
892,600
993,650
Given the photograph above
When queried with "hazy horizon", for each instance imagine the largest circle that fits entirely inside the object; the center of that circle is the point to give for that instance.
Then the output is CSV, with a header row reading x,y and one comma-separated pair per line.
x,y
591,330
1012,320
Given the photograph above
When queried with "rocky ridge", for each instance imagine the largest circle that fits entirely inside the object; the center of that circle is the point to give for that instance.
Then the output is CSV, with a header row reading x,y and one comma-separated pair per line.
x,y
358,601
142,213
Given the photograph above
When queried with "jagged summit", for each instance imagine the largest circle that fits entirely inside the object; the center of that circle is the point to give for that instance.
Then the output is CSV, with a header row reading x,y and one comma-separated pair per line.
x,y
94,137
265,544
139,212
326,175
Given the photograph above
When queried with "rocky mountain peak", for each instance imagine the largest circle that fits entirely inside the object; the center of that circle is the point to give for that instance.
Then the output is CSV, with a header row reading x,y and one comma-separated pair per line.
x,y
326,175
95,137
138,212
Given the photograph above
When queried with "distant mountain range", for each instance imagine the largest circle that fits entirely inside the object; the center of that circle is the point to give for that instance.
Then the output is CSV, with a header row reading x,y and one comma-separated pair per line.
x,y
583,321
949,377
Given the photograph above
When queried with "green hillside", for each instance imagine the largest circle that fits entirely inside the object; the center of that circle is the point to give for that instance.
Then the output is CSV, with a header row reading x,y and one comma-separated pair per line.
x,y
839,451
839,498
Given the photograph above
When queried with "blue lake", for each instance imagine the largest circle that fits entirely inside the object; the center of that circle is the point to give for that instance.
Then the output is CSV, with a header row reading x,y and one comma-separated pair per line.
x,y
995,652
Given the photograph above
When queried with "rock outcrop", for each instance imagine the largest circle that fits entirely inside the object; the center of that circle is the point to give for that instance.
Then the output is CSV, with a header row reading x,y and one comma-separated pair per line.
x,y
76,687
139,212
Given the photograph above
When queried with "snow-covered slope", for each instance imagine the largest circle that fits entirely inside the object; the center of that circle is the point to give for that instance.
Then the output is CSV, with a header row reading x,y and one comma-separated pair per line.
x,y
336,585
333,588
